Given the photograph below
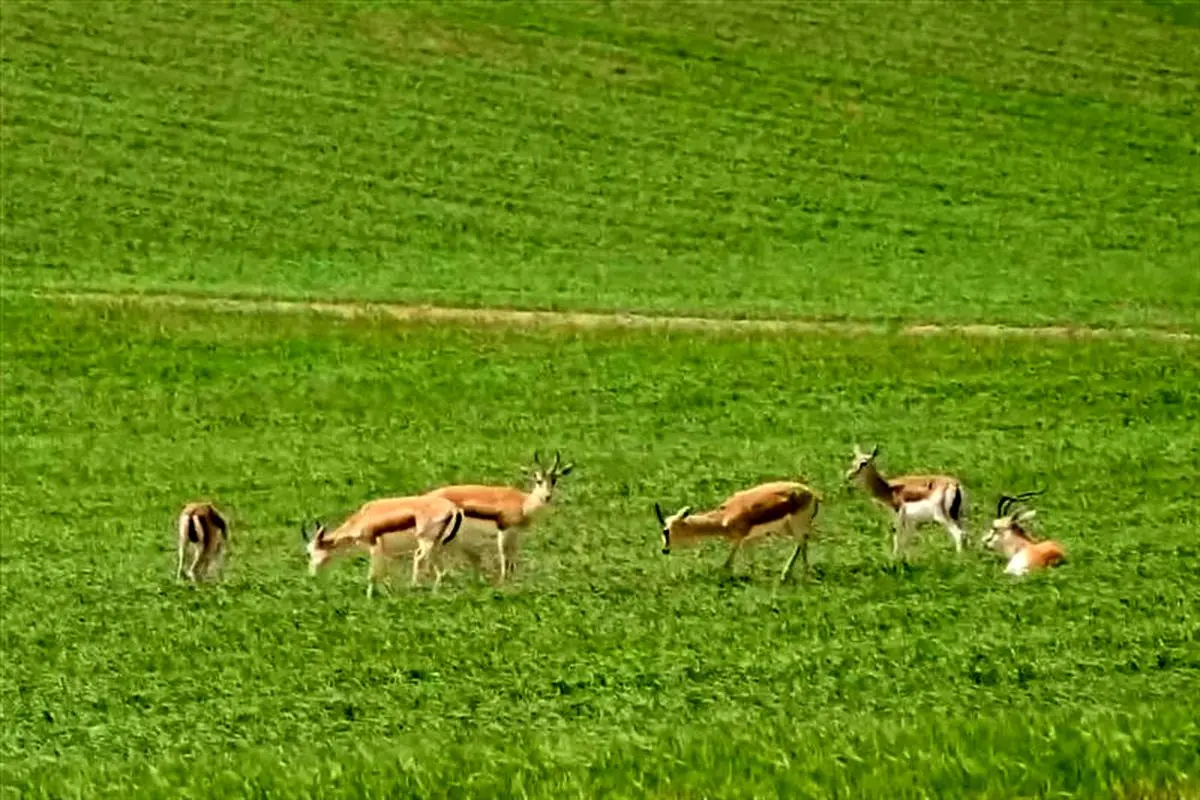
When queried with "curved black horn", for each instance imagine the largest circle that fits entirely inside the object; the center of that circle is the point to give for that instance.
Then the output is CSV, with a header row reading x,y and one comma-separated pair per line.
x,y
557,460
658,512
1004,504
304,534
537,459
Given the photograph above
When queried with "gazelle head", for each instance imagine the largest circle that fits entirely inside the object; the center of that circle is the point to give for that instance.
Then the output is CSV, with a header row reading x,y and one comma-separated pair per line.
x,y
545,479
319,548
1009,526
861,462
670,524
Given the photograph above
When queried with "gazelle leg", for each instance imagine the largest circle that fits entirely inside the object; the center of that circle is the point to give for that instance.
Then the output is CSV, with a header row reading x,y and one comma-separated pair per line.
x,y
733,551
378,568
801,550
208,561
191,573
218,560
435,561
902,540
952,528
423,548
958,534
800,532
185,524
182,555
507,542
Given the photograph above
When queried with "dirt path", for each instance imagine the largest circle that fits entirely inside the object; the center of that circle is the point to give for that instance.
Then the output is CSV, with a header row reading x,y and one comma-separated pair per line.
x,y
597,320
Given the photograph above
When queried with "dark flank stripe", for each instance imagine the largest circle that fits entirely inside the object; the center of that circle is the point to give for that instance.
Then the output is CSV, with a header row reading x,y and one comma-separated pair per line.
x,y
766,513
479,515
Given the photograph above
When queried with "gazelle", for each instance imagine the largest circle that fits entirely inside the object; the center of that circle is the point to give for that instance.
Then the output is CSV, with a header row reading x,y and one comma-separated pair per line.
x,y
385,528
203,528
780,507
504,511
912,499
1010,537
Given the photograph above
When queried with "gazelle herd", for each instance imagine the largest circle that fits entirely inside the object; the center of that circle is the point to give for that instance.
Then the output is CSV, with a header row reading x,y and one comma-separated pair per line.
x,y
427,525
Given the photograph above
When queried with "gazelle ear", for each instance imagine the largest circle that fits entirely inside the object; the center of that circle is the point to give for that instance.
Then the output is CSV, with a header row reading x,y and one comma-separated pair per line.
x,y
567,469
683,512
874,451
1024,514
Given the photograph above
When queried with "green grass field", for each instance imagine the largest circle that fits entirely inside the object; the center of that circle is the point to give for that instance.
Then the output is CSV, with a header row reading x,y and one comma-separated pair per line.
x,y
606,666
1022,164
973,162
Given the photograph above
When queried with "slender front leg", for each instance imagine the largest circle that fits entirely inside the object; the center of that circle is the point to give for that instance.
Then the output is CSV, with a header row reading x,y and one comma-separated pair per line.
x,y
791,562
435,561
422,552
800,532
506,541
378,568
733,551
900,534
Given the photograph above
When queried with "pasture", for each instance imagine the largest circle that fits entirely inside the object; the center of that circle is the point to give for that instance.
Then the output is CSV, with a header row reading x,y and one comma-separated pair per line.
x,y
1037,166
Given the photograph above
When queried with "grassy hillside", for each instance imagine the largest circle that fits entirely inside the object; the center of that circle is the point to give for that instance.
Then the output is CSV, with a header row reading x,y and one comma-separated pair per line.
x,y
606,667
1018,163
956,162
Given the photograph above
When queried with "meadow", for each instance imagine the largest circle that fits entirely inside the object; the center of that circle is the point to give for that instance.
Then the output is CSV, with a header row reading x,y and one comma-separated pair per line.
x,y
962,163
1030,163
606,666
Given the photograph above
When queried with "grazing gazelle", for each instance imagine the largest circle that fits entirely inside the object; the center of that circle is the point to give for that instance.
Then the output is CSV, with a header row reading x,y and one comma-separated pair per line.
x,y
203,527
912,499
1010,537
503,511
385,528
780,507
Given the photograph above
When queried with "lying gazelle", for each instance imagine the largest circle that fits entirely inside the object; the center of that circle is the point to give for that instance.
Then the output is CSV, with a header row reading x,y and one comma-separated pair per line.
x,y
503,511
203,528
388,528
780,507
912,499
1010,537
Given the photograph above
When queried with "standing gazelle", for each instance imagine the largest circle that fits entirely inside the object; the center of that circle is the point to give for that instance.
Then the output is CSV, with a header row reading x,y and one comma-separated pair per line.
x,y
203,527
503,511
1010,537
912,499
385,528
780,507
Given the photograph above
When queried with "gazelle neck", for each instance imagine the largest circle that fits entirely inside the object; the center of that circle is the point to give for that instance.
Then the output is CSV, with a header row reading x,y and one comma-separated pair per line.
x,y
1015,541
874,483
697,526
536,499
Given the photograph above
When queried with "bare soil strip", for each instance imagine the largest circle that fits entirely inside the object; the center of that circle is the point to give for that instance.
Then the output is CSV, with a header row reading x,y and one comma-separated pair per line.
x,y
505,317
